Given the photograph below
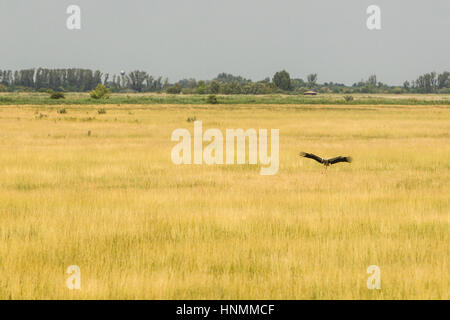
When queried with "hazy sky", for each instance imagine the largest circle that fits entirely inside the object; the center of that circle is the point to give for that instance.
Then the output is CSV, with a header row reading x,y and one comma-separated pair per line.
x,y
252,38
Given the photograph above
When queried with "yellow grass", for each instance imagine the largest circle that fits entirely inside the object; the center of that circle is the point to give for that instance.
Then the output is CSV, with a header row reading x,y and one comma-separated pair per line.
x,y
140,227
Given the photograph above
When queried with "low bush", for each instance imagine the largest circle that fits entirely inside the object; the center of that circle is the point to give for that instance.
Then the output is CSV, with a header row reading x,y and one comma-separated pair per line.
x,y
100,92
212,99
348,98
57,95
176,89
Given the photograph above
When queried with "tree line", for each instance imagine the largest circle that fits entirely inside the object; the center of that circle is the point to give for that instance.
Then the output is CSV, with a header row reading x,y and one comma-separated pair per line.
x,y
82,80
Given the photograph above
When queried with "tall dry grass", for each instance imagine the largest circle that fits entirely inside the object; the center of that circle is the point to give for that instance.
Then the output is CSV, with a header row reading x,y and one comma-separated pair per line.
x,y
138,226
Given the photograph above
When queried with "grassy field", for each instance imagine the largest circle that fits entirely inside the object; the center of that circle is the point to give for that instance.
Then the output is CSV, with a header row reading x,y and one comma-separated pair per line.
x,y
34,98
100,191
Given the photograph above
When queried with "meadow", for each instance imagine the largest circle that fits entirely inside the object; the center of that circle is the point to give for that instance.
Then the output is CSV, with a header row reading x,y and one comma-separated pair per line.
x,y
99,190
82,98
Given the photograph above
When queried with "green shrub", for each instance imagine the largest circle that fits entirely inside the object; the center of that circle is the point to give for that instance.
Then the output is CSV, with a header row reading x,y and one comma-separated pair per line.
x,y
176,89
62,111
3,88
214,87
444,91
100,92
212,99
348,98
57,95
187,91
15,88
201,88
101,111
397,90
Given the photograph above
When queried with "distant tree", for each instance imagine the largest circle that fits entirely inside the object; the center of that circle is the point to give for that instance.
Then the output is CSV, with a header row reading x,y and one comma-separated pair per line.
x,y
406,85
188,83
137,79
231,88
105,81
397,90
165,84
6,77
97,78
228,78
433,79
74,79
312,80
443,80
201,87
174,89
297,83
426,83
214,87
157,84
261,87
372,80
282,80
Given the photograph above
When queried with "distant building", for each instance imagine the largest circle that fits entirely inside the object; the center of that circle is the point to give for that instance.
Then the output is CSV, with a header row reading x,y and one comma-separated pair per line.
x,y
310,93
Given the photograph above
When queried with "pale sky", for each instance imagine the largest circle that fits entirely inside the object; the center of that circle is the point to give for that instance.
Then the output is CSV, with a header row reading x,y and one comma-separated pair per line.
x,y
252,38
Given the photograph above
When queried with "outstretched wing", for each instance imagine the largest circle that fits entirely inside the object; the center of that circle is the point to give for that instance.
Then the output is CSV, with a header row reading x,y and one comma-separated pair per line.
x,y
339,159
311,156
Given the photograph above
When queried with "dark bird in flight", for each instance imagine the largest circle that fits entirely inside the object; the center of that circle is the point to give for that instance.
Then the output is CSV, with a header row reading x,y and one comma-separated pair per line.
x,y
326,162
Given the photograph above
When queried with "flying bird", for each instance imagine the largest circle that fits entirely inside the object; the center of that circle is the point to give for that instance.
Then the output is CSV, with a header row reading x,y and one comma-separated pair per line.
x,y
326,162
